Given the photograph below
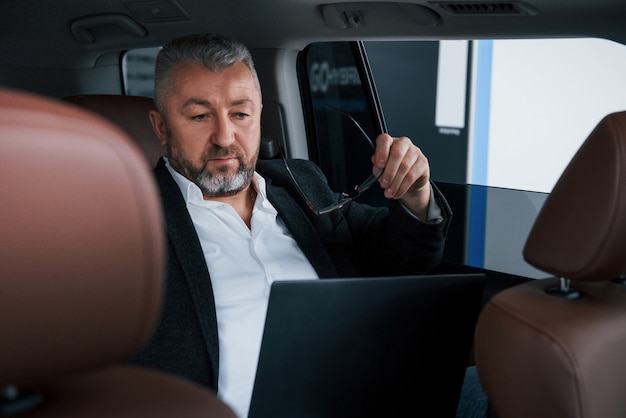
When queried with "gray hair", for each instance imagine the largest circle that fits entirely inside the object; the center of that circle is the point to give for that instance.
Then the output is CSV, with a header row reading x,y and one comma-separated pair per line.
x,y
214,52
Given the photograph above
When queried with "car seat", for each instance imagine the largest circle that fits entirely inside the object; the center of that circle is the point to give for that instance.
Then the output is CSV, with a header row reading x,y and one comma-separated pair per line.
x,y
130,113
555,347
82,273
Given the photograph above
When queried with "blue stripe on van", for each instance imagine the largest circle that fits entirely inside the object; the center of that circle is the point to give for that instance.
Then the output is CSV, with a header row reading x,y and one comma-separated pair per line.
x,y
477,226
478,195
482,109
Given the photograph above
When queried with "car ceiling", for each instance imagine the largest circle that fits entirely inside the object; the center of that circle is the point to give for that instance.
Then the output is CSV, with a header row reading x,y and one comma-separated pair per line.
x,y
76,33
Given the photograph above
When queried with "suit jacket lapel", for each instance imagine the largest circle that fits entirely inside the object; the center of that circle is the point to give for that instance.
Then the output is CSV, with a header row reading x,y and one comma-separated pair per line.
x,y
187,249
302,230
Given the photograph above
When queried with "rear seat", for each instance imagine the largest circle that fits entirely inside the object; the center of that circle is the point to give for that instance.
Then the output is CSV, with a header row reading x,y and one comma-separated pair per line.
x,y
130,113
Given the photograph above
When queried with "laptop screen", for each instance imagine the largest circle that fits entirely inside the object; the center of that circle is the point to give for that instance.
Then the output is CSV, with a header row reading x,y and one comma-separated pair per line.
x,y
359,347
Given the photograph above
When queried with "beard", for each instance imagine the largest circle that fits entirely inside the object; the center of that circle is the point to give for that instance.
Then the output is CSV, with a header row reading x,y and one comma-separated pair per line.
x,y
220,183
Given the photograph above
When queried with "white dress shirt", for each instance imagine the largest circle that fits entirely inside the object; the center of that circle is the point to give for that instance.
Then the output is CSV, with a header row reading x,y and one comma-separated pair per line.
x,y
242,263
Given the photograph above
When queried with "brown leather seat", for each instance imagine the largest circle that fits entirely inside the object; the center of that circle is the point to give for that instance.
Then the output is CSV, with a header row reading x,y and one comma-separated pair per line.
x,y
129,113
555,347
82,272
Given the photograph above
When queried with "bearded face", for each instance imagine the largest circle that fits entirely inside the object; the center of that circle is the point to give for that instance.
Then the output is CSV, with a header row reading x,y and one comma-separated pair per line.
x,y
215,180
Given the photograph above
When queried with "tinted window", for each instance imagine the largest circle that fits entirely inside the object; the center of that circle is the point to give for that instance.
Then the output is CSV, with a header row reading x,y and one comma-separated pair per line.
x,y
340,149
138,71
505,113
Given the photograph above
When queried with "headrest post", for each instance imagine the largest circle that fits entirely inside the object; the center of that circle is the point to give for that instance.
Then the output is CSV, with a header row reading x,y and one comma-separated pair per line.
x,y
564,290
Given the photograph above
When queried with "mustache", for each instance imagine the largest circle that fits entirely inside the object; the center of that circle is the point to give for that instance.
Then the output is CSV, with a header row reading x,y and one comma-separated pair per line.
x,y
221,152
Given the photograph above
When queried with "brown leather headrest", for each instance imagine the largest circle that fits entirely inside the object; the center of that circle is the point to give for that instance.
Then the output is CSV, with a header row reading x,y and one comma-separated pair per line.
x,y
129,113
82,241
580,232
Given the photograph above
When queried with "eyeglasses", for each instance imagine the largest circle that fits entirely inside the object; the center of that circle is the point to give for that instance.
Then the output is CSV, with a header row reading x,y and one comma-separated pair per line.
x,y
345,197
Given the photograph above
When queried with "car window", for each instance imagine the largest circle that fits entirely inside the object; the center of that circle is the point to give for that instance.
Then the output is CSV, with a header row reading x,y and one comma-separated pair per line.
x,y
501,113
337,88
498,121
138,71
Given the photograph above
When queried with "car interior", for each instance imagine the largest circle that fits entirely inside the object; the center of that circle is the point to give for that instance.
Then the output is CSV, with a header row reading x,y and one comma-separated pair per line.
x,y
517,104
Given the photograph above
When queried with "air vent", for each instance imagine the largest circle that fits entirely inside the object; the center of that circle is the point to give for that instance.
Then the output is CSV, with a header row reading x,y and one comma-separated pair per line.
x,y
487,8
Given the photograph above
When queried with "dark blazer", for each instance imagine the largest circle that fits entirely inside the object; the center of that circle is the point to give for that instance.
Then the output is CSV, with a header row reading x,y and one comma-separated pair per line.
x,y
358,240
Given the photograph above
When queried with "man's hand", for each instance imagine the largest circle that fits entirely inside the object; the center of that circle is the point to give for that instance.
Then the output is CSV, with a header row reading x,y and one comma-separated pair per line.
x,y
406,173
